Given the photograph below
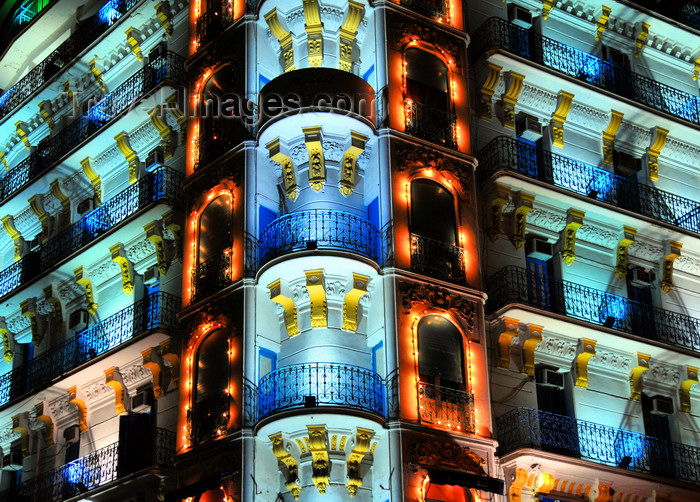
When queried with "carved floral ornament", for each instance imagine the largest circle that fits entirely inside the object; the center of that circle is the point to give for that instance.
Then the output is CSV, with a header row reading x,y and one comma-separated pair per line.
x,y
438,299
446,454
205,321
409,157
402,33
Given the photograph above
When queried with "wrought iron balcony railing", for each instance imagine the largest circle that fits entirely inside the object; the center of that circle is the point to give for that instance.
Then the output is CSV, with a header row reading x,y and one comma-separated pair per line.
x,y
93,470
509,154
211,276
320,384
209,418
330,229
213,22
528,428
500,34
437,259
436,9
50,150
158,310
517,285
430,123
86,32
218,136
161,185
445,407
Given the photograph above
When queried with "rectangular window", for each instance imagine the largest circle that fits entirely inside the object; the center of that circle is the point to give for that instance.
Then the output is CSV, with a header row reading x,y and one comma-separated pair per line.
x,y
267,362
378,362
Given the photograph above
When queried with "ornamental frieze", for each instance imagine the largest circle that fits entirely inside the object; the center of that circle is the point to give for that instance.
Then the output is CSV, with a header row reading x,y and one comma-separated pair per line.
x,y
412,156
209,315
446,454
438,299
402,32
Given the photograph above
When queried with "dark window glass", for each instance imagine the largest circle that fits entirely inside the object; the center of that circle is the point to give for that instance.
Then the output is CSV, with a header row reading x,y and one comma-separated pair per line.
x,y
211,371
433,211
440,352
426,79
215,228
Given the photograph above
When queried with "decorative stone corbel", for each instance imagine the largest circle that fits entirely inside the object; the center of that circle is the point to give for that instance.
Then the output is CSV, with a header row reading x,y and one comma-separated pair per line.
x,y
609,135
98,74
28,309
64,215
23,133
672,251
6,346
696,68
170,222
57,323
686,385
165,16
574,221
353,462
134,37
179,117
602,22
349,167
529,349
283,37
8,223
314,32
127,269
4,161
290,310
523,205
290,181
159,123
284,458
510,98
173,375
546,7
641,39
152,360
497,204
348,31
67,90
319,456
313,137
636,376
317,298
129,154
20,424
518,479
488,89
601,492
37,207
352,299
154,233
80,404
114,379
628,234
94,179
654,151
46,112
504,341
89,292
582,359
48,423
559,117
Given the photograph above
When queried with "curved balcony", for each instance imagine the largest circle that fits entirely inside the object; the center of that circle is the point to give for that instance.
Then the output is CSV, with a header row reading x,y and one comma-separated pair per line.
x,y
500,34
595,183
320,384
433,124
437,259
327,229
517,285
528,428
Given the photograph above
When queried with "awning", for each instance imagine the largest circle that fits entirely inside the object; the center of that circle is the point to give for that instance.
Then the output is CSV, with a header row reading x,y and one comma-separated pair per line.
x,y
440,476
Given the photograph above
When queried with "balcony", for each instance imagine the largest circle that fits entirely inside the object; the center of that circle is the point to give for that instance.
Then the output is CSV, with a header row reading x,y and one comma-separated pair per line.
x,y
437,259
433,124
208,418
683,11
320,384
499,34
319,229
86,32
94,470
446,407
593,182
50,150
517,285
527,428
213,22
211,276
162,185
156,311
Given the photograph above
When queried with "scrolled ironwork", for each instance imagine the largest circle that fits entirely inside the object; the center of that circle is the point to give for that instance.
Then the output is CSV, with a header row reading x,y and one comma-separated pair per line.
x,y
437,259
209,418
211,276
434,124
212,22
436,9
446,407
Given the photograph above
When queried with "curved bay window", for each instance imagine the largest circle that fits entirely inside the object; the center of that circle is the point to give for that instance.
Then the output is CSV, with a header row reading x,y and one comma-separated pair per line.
x,y
215,238
434,249
427,106
216,116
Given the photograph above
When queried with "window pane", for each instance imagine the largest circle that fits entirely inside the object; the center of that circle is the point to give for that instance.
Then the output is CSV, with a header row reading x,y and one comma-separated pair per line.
x,y
440,352
212,366
432,211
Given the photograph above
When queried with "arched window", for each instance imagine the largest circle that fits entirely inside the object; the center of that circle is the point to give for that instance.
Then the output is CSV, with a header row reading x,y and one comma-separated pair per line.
x,y
211,367
216,115
440,353
433,211
426,79
215,228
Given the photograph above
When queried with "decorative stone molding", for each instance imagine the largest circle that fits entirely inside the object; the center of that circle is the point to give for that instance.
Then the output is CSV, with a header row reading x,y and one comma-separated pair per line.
x,y
140,251
36,321
113,378
636,376
314,33
510,98
171,223
348,31
574,221
438,299
609,135
641,39
487,90
284,458
654,151
288,175
165,16
504,341
55,315
686,386
317,443
134,37
87,286
317,298
529,348
129,154
409,158
160,124
602,22
361,439
283,37
523,205
588,351
47,423
5,334
628,234
313,137
349,164
351,301
559,117
154,234
290,309
673,251
127,268
446,454
8,223
82,408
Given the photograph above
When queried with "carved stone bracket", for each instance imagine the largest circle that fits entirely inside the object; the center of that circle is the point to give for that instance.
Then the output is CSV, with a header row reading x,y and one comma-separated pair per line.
x,y
80,404
47,112
46,420
658,141
362,438
314,32
129,154
160,124
672,252
8,223
352,300
497,203
57,324
97,74
283,37
628,234
290,309
23,133
438,299
587,352
546,8
510,98
559,117
36,321
286,462
609,135
348,32
349,166
320,463
165,16
126,267
641,39
574,221
529,349
504,341
134,37
488,89
94,179
602,22
290,181
179,117
317,298
113,378
154,233
89,292
171,222
686,385
5,333
313,137
636,376
523,205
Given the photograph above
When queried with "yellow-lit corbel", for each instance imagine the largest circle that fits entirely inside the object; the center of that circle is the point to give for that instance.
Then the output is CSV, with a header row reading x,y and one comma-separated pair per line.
x,y
546,7
518,480
290,180
354,475
314,32
58,325
8,223
174,360
64,215
641,39
28,310
179,117
89,292
510,99
20,426
113,378
150,362
488,89
696,68
582,362
165,16
127,269
48,423
154,233
7,353
170,222
673,251
80,404
609,135
504,341
159,123
290,310
67,90
129,154
497,204
37,208
98,74
134,37
23,133
284,458
348,31
319,456
654,151
317,298
45,110
4,161
628,234
349,167
559,117
352,299
574,221
602,23
636,376
523,205
529,349
94,179
313,137
283,37
686,385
